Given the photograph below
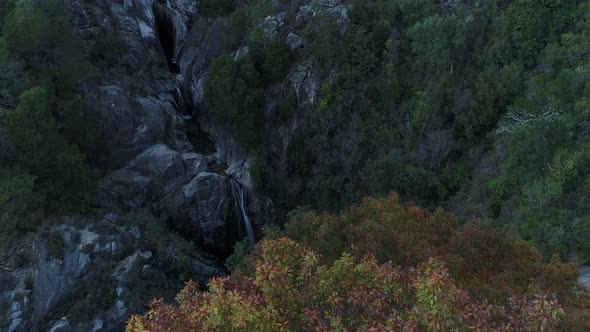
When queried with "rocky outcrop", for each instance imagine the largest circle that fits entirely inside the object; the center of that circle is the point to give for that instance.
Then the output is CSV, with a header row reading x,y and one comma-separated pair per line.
x,y
305,84
154,173
177,184
141,112
134,123
200,209
89,275
134,101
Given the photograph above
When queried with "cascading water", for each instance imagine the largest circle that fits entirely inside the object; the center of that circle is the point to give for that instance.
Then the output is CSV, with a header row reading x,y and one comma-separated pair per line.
x,y
182,105
237,191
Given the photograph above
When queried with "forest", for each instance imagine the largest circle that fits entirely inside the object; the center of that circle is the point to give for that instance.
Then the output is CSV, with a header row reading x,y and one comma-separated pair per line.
x,y
439,181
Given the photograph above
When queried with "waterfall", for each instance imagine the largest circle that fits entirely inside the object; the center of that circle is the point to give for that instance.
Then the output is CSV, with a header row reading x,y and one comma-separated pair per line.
x,y
182,105
239,206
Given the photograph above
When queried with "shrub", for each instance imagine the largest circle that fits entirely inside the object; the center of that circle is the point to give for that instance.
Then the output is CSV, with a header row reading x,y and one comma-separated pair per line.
x,y
21,207
292,291
277,59
241,250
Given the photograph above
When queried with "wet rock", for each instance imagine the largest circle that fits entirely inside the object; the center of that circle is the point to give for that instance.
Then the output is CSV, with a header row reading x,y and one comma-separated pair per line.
x,y
200,209
16,325
240,53
62,325
97,325
194,163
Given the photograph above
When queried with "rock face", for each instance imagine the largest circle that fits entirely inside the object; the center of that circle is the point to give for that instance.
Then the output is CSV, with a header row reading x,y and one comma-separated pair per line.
x,y
196,202
133,123
134,102
94,272
200,208
154,173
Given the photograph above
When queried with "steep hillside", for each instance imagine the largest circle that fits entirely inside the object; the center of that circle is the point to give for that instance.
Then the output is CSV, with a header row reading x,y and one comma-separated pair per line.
x,y
143,142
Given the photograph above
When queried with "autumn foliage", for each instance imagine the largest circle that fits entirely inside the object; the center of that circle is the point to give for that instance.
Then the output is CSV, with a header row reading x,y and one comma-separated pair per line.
x,y
382,266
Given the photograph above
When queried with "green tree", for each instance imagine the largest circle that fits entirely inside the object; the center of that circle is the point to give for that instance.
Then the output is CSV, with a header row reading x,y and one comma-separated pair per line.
x,y
277,59
438,42
235,98
360,60
39,33
534,23
21,207
416,10
325,42
494,91
61,170
28,28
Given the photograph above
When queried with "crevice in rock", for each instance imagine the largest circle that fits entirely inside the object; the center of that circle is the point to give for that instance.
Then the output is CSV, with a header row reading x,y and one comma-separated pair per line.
x,y
200,140
167,37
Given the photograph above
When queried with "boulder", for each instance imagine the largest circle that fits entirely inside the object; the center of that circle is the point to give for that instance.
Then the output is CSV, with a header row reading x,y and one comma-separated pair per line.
x,y
294,42
305,83
132,123
194,163
153,174
200,209
270,27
